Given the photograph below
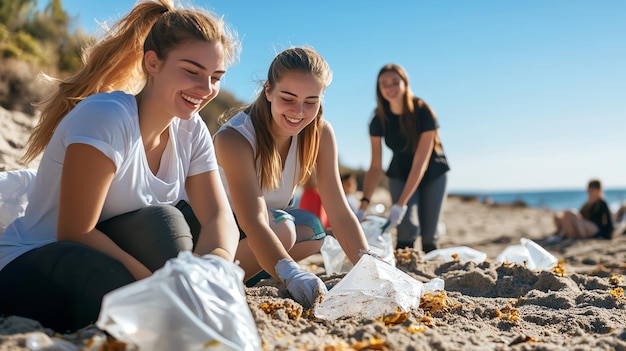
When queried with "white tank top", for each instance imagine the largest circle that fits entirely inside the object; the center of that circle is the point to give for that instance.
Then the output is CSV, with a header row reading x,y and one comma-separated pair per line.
x,y
281,197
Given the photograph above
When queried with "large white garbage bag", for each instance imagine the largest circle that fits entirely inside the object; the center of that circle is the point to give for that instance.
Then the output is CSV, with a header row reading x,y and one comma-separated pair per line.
x,y
191,303
371,289
336,261
15,187
529,253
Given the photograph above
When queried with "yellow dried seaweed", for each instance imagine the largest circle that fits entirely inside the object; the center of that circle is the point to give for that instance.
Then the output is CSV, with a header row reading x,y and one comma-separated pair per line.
x,y
414,328
436,301
559,268
616,279
404,255
396,318
508,313
293,311
617,293
371,344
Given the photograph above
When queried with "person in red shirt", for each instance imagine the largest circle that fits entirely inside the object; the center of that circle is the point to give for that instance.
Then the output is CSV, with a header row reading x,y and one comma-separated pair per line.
x,y
311,201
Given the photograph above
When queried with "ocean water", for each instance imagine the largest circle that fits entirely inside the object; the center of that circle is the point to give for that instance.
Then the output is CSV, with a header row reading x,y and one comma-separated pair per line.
x,y
554,200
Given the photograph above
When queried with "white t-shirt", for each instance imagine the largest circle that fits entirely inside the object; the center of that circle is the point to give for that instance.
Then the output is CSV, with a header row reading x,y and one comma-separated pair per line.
x,y
280,198
109,122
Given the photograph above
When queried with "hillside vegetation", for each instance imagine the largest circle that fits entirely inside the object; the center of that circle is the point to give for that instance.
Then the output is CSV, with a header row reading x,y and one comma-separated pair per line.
x,y
48,41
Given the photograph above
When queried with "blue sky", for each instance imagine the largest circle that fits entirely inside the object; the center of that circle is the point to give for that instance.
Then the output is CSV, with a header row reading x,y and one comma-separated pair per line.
x,y
529,94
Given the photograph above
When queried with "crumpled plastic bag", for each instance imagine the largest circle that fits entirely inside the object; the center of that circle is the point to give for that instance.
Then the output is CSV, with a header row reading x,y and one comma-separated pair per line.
x,y
464,253
191,303
529,253
15,187
371,289
336,261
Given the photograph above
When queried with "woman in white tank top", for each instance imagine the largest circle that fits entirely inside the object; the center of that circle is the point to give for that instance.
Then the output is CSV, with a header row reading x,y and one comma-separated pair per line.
x,y
264,152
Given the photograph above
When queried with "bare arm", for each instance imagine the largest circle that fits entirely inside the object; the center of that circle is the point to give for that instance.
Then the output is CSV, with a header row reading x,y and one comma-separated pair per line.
x,y
341,218
83,191
219,234
418,167
236,158
373,174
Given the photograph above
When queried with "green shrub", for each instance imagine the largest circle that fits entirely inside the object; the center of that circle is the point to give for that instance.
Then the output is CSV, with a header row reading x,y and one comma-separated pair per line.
x,y
27,43
10,50
4,33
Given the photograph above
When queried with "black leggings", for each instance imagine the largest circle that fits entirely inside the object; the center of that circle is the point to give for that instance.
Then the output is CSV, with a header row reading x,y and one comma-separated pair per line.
x,y
62,284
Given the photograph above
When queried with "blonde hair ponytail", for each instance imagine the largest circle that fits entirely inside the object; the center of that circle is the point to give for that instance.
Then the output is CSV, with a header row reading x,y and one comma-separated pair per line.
x,y
116,61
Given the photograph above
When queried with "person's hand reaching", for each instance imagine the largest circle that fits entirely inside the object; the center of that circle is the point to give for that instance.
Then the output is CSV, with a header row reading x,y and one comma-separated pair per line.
x,y
304,287
396,214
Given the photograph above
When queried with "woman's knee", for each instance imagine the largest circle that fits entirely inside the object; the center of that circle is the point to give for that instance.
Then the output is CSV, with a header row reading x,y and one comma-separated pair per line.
x,y
570,215
285,230
152,235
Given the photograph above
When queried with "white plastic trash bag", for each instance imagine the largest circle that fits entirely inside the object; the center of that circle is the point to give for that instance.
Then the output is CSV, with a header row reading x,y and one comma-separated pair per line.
x,y
15,187
191,303
336,261
464,253
529,253
372,289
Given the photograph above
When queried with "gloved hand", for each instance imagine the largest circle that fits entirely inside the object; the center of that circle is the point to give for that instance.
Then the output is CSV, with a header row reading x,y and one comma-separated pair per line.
x,y
396,214
304,287
360,213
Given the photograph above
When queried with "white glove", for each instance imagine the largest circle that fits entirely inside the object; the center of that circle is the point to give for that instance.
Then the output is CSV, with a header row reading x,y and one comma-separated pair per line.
x,y
360,213
396,214
304,287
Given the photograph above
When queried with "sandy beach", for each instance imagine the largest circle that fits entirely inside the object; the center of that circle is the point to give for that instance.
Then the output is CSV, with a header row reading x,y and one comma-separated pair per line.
x,y
485,306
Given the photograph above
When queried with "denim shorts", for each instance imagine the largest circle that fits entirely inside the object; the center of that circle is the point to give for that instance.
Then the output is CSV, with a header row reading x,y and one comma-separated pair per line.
x,y
298,217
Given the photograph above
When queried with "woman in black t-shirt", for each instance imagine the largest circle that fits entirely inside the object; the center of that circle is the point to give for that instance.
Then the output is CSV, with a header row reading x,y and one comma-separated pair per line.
x,y
594,220
417,172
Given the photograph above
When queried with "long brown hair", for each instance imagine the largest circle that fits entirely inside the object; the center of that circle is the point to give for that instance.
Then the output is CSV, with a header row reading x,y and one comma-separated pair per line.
x,y
296,59
116,61
408,118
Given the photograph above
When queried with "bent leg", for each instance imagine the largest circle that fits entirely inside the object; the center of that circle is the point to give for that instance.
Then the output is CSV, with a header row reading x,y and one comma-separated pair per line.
x,y
282,224
61,285
408,230
576,227
152,235
310,234
431,198
589,229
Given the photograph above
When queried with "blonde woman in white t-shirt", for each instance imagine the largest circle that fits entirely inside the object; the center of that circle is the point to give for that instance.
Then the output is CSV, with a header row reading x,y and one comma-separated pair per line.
x,y
120,173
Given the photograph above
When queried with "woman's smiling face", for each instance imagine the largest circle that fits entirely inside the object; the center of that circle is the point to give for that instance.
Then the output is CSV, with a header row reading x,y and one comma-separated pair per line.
x,y
392,86
189,78
295,102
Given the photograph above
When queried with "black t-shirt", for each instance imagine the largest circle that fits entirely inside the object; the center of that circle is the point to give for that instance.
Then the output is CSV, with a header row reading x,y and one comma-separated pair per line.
x,y
599,213
402,160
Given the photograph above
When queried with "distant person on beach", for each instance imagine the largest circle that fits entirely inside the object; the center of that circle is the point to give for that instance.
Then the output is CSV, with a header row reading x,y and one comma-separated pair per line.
x,y
593,220
119,172
418,170
312,202
265,151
